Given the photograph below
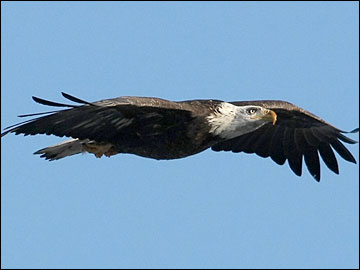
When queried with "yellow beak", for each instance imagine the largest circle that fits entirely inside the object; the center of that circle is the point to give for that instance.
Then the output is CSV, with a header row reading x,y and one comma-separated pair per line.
x,y
270,116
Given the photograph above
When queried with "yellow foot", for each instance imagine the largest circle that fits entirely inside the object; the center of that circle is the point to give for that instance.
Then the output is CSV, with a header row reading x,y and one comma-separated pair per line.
x,y
99,149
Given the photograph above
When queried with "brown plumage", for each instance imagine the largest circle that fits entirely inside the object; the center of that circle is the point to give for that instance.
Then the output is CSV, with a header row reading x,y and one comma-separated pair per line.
x,y
162,129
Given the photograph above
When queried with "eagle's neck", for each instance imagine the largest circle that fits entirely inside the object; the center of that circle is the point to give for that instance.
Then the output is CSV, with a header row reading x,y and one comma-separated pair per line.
x,y
227,121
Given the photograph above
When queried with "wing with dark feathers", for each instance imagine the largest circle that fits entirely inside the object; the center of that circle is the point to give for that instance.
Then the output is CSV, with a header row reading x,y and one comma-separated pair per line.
x,y
102,121
296,134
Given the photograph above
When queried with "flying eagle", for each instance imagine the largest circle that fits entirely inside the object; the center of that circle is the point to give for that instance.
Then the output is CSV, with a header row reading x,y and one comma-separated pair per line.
x,y
162,129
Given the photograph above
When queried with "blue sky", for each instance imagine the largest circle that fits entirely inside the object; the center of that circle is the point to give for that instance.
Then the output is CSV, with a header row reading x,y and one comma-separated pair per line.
x,y
211,210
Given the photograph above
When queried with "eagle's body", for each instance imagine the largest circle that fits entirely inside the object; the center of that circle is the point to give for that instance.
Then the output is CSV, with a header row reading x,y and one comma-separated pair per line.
x,y
161,129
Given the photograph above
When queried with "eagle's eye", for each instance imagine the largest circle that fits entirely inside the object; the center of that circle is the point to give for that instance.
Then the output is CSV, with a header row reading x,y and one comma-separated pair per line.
x,y
251,110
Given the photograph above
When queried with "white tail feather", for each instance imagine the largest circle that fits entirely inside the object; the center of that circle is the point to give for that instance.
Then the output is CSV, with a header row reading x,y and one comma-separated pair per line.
x,y
63,149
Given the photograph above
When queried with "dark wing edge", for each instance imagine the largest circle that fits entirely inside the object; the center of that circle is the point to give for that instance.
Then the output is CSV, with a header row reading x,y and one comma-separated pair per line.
x,y
297,134
100,121
16,127
83,121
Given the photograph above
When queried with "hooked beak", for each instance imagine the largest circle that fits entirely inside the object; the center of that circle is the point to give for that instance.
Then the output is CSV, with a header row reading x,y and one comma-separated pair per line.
x,y
270,116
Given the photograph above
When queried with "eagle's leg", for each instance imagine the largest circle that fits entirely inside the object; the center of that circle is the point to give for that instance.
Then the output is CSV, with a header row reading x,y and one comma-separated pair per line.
x,y
99,149
110,152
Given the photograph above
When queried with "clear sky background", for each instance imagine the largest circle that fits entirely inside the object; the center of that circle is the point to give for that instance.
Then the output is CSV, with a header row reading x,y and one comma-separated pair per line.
x,y
211,210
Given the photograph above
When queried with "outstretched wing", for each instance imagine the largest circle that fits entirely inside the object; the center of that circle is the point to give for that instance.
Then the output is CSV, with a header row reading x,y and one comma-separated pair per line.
x,y
103,121
297,133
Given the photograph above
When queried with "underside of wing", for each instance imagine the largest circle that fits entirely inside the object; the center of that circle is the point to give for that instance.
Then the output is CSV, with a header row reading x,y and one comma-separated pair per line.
x,y
296,134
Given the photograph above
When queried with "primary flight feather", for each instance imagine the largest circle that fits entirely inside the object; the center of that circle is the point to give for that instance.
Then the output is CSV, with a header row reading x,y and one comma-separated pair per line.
x,y
163,129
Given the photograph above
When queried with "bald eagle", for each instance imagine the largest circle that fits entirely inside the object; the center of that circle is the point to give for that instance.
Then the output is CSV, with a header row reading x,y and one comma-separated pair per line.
x,y
162,129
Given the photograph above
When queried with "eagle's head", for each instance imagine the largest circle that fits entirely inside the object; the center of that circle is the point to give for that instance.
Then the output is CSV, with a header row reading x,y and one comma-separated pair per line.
x,y
228,121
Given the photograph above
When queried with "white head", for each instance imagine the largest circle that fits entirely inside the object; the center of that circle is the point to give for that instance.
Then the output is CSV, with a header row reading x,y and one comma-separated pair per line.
x,y
229,121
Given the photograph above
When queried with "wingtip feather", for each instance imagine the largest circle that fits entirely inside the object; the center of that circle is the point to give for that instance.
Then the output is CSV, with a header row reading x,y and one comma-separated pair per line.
x,y
74,99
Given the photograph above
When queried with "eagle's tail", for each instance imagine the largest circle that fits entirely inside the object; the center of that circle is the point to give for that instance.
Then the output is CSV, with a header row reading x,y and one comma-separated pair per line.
x,y
63,149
